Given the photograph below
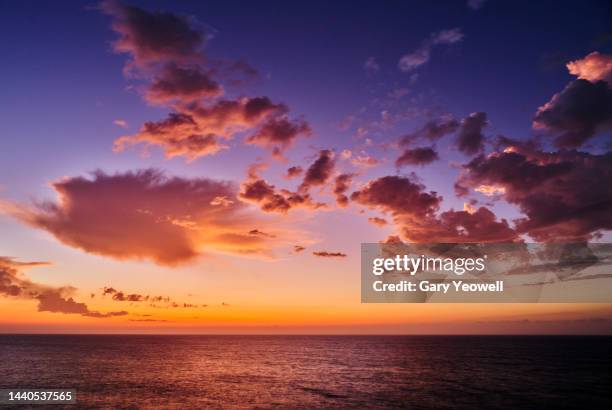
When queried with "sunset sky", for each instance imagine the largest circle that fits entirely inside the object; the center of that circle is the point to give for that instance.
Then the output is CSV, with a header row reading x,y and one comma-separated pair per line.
x,y
213,167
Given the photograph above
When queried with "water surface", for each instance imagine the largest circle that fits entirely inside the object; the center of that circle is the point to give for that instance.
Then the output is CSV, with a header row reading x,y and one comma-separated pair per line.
x,y
419,372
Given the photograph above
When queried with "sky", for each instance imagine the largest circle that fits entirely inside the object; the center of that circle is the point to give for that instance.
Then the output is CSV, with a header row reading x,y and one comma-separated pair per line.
x,y
213,167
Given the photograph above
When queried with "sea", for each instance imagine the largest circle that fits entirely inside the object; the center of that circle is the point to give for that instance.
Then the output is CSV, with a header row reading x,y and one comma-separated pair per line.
x,y
361,372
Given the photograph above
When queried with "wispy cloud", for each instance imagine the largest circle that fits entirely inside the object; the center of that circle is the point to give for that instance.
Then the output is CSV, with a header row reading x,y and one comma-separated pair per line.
x,y
421,56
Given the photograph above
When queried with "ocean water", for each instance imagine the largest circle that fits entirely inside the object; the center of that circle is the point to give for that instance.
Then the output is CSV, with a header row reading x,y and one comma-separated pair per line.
x,y
419,372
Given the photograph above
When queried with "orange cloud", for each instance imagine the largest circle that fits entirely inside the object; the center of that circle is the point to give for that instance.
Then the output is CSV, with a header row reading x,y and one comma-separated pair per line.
x,y
179,135
593,67
378,221
146,215
490,190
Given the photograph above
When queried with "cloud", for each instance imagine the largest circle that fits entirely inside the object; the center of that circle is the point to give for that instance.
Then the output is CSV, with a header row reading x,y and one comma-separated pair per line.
x,y
166,52
419,57
279,133
490,190
132,297
153,301
594,67
414,211
153,37
378,221
298,248
262,193
326,254
226,117
412,61
433,130
50,299
470,138
258,191
364,161
371,66
452,226
257,232
148,320
120,123
417,156
144,215
561,194
319,171
294,172
178,135
398,195
184,84
583,109
197,130
341,185
578,113
451,36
